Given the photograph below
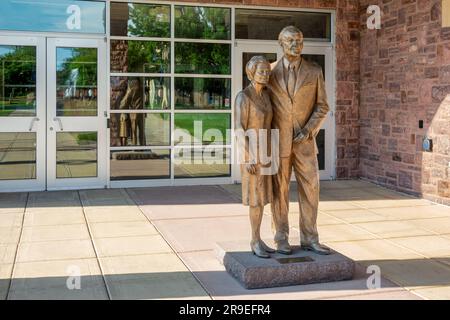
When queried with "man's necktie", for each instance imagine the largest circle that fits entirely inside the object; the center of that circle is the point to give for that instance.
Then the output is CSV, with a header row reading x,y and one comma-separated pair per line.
x,y
291,81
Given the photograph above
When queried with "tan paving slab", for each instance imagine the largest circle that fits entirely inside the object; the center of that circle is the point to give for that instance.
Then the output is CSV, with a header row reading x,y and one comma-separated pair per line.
x,y
434,293
413,213
222,286
367,252
438,225
202,234
105,197
415,273
5,278
54,218
55,209
9,235
393,203
55,233
55,250
355,194
192,195
331,205
429,246
107,247
155,276
356,215
53,199
160,212
13,202
346,184
122,229
374,295
48,280
7,253
342,232
10,220
393,229
114,214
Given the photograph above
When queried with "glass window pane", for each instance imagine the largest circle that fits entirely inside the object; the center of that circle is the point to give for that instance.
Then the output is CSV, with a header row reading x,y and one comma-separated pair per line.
x,y
140,56
320,140
140,20
17,81
318,59
76,154
140,129
267,24
202,58
17,156
140,164
135,93
202,128
246,56
202,22
76,81
53,16
202,163
202,93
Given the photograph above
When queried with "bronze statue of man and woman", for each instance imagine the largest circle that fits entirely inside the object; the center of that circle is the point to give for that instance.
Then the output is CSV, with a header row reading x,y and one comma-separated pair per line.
x,y
288,96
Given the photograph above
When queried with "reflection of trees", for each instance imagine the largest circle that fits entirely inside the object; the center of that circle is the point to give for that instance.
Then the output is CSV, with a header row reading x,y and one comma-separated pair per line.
x,y
82,59
204,58
77,81
17,77
202,23
149,20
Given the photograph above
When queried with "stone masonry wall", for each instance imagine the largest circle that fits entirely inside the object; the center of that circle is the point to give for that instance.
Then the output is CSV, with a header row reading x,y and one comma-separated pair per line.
x,y
347,73
405,78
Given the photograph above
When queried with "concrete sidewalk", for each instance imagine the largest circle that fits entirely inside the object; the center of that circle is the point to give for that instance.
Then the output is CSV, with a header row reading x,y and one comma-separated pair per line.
x,y
156,243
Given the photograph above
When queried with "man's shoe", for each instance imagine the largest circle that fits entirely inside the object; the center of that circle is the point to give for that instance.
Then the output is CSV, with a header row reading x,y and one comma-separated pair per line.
x,y
317,248
284,247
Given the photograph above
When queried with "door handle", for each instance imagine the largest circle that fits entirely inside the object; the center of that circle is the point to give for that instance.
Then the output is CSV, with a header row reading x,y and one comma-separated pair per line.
x,y
32,123
60,123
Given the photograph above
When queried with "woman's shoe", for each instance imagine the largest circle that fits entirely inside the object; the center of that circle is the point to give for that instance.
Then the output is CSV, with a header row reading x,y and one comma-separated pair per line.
x,y
258,250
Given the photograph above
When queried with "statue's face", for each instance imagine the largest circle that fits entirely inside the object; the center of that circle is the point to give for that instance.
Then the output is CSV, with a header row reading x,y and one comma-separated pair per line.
x,y
292,44
262,73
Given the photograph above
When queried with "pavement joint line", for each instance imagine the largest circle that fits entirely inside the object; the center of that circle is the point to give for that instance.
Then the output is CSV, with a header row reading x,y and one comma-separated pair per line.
x,y
171,247
13,269
95,248
369,292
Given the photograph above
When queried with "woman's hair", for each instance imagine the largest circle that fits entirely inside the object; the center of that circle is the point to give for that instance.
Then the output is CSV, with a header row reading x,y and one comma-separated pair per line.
x,y
251,66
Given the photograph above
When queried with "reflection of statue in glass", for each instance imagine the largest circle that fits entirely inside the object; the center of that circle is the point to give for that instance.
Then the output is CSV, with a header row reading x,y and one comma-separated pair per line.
x,y
253,113
133,100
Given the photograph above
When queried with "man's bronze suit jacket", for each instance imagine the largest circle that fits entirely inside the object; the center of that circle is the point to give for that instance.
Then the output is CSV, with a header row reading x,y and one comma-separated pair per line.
x,y
308,108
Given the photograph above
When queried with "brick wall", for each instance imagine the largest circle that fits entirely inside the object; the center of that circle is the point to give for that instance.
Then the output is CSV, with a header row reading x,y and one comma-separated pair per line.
x,y
347,73
405,78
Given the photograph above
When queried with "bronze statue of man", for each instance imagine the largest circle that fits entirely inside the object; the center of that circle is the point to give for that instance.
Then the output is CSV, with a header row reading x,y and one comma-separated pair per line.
x,y
299,101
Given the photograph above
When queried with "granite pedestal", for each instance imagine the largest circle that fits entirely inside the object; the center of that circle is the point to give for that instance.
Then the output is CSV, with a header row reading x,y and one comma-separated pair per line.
x,y
301,267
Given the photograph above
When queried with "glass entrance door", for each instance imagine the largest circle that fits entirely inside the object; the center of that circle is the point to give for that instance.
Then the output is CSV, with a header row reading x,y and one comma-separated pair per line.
x,y
322,55
22,114
76,114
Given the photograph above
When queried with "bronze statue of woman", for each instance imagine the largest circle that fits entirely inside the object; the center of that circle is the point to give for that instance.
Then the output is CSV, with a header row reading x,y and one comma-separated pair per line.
x,y
253,119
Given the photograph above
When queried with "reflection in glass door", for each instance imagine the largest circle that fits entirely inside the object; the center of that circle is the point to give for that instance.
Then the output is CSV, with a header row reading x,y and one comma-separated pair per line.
x,y
22,114
322,56
76,131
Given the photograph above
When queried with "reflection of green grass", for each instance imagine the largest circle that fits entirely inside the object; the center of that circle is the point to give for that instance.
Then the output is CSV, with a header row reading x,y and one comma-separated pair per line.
x,y
219,122
87,137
